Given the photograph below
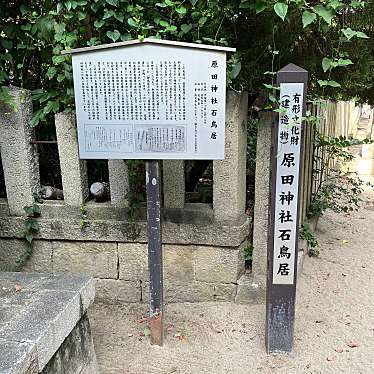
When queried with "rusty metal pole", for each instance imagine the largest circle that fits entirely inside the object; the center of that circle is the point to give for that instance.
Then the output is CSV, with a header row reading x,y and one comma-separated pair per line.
x,y
153,184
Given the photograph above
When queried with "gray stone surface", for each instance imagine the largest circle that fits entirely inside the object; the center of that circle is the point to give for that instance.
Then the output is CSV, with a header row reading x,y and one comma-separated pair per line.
x,y
117,231
250,290
73,170
178,263
95,259
133,261
41,257
45,321
193,213
85,286
173,183
47,309
117,291
218,265
76,354
262,193
119,182
229,175
19,156
194,292
35,281
199,292
29,281
18,358
11,250
177,260
4,207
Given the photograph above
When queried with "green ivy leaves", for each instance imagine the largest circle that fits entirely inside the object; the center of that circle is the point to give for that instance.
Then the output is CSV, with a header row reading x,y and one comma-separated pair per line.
x,y
65,24
281,10
112,2
113,35
99,23
325,13
131,22
328,64
308,18
181,10
186,28
31,224
331,83
349,34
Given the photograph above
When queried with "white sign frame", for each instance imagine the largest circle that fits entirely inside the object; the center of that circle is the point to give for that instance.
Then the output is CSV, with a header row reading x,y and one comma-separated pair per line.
x,y
102,76
287,182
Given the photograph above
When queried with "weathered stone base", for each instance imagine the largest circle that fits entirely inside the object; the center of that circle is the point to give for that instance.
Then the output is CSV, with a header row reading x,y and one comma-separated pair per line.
x,y
252,289
76,354
192,273
113,291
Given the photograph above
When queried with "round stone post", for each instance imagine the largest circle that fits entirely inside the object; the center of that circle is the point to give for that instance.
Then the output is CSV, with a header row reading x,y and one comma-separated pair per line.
x,y
119,183
174,183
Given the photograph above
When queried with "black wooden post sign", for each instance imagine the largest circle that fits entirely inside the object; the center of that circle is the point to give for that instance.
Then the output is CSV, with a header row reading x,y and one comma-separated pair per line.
x,y
283,235
151,100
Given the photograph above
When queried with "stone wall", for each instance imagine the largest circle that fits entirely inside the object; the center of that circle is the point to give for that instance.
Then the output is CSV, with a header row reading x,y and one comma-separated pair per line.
x,y
203,243
197,268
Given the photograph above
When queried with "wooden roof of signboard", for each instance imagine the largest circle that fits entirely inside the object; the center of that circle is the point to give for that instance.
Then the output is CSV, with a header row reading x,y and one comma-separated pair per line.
x,y
151,41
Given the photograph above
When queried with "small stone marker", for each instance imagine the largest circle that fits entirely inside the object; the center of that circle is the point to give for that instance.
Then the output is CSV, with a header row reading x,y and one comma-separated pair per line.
x,y
151,100
284,214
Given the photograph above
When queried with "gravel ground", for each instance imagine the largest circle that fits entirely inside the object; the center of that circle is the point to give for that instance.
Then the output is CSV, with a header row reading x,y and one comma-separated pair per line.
x,y
334,319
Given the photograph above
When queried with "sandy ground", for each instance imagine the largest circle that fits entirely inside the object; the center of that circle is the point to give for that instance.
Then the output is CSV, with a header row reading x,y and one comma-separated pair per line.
x,y
334,319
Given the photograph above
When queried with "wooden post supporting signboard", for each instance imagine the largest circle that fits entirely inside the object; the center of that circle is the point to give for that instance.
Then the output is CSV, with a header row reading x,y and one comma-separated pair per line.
x,y
283,236
153,182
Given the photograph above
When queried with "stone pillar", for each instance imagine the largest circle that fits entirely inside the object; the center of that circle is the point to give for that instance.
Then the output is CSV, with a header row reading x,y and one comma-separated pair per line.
x,y
174,183
119,182
19,156
73,170
262,196
229,175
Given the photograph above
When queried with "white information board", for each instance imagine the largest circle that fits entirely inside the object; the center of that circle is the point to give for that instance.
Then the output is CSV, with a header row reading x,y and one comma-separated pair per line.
x,y
150,101
287,182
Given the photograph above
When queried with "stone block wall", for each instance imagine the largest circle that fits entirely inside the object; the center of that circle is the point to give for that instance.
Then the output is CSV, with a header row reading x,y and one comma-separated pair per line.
x,y
191,272
203,243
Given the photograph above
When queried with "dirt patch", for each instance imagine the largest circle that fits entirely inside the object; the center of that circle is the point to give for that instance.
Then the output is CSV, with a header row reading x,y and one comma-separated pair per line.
x,y
334,319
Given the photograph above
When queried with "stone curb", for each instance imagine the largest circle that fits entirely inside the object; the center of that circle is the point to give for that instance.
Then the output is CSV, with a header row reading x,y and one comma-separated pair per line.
x,y
48,308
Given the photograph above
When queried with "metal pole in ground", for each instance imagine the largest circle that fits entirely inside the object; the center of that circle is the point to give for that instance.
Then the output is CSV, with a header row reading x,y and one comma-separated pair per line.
x,y
153,185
